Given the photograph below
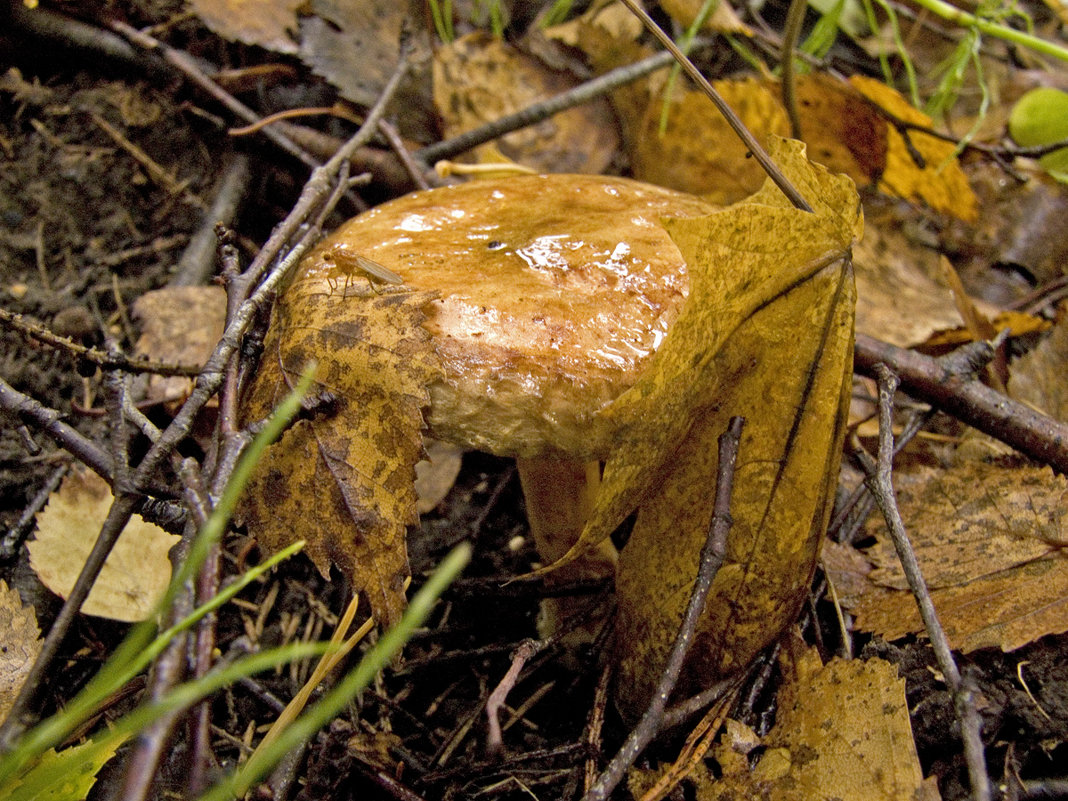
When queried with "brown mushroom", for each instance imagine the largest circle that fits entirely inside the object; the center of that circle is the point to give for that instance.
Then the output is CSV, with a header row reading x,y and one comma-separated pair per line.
x,y
555,291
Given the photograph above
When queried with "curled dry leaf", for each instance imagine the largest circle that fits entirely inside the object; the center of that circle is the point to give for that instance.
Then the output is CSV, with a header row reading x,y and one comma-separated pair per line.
x,y
19,645
766,333
135,574
343,479
990,539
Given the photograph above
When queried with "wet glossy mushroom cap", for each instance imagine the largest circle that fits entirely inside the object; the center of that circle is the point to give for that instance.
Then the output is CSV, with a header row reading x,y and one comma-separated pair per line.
x,y
555,291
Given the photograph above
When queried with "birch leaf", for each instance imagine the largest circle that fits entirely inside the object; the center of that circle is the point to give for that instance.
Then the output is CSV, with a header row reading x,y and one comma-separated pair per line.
x,y
20,645
344,479
137,570
766,333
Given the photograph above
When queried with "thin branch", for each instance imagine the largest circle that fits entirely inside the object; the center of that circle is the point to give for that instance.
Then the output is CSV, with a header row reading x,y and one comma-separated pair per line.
x,y
970,401
197,262
188,66
533,114
526,651
880,482
712,554
105,361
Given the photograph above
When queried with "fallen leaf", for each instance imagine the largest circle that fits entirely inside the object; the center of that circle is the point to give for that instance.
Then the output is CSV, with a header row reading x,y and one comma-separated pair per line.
x,y
1037,378
723,18
179,325
842,731
19,648
136,572
990,540
939,182
271,24
343,480
761,272
698,152
435,475
480,78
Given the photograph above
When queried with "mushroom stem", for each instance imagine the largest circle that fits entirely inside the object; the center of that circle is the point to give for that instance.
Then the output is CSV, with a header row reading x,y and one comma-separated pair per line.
x,y
559,495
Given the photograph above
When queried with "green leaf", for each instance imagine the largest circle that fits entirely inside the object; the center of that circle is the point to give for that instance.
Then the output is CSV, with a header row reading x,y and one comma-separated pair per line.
x,y
1040,117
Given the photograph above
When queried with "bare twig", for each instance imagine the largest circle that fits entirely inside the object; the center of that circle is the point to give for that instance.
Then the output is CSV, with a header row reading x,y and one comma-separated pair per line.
x,y
106,361
795,16
12,539
544,109
197,263
931,381
880,482
188,66
526,650
711,558
736,124
417,171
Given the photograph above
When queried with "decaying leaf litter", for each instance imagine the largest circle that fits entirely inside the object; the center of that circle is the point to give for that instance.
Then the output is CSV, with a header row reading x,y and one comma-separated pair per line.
x,y
1028,704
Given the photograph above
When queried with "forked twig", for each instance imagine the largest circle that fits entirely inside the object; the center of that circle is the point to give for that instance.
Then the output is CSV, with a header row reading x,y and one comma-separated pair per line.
x,y
960,394
712,555
880,482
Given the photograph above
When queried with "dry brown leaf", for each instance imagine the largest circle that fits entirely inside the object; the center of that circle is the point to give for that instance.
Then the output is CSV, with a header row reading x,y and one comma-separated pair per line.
x,y
179,325
343,480
698,152
842,732
435,475
19,645
1038,378
973,520
135,574
844,729
1016,323
990,541
271,24
1006,610
761,272
480,78
843,132
940,183
723,18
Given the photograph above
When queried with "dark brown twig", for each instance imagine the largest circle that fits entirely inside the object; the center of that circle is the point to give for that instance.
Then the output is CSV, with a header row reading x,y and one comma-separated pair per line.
x,y
880,482
13,537
106,361
736,124
964,397
712,554
791,35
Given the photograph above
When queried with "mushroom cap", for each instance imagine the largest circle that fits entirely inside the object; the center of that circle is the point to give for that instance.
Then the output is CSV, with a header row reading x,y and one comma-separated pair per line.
x,y
555,292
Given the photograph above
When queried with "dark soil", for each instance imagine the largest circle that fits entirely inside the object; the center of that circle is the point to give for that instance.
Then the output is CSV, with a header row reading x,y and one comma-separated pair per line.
x,y
85,230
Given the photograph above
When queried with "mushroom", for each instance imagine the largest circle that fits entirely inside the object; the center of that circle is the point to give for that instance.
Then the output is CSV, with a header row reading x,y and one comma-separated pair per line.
x,y
555,290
